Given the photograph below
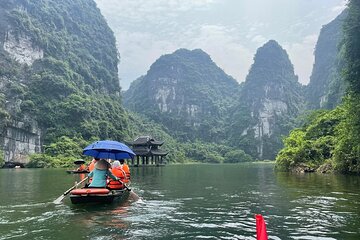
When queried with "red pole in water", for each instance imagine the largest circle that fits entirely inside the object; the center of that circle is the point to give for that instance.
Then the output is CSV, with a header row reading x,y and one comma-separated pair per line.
x,y
261,233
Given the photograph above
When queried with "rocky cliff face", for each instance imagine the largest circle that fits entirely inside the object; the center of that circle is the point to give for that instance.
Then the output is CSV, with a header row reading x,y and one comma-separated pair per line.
x,y
270,99
186,92
326,87
20,133
58,75
22,49
20,140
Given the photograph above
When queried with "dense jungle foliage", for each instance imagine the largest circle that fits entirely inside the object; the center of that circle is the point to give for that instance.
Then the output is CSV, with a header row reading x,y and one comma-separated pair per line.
x,y
73,90
331,139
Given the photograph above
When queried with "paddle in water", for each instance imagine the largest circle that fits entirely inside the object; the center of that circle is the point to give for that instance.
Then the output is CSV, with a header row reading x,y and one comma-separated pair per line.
x,y
132,194
60,198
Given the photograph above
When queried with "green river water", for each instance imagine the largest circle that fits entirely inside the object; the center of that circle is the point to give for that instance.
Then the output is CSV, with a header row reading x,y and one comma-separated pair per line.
x,y
185,202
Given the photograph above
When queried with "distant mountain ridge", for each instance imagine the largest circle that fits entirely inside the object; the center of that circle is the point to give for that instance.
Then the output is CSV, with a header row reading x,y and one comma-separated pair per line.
x,y
254,115
194,98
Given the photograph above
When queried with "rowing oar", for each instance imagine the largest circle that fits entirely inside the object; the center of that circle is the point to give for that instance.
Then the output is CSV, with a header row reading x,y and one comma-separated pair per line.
x,y
60,198
134,196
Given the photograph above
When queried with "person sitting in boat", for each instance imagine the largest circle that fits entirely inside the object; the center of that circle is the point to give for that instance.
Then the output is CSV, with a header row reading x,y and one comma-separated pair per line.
x,y
126,169
81,168
118,172
100,174
92,164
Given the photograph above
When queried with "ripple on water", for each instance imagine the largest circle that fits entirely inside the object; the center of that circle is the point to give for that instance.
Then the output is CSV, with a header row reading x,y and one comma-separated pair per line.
x,y
316,217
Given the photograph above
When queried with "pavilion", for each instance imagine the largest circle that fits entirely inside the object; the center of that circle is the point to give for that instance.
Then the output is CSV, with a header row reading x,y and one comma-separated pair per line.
x,y
147,148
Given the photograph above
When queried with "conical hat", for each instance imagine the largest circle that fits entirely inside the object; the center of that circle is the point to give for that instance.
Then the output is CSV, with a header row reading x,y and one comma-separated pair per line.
x,y
102,165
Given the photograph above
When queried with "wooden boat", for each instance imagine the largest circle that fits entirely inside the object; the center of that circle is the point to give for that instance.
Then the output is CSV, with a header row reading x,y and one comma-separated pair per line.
x,y
77,171
98,195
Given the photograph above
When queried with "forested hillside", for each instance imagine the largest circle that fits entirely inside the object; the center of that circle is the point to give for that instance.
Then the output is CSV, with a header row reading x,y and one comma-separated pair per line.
x,y
58,68
187,93
330,140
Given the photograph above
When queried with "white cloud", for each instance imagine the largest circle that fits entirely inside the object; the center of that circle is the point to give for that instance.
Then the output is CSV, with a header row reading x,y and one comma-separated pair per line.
x,y
259,39
142,49
339,8
218,41
230,31
225,48
139,10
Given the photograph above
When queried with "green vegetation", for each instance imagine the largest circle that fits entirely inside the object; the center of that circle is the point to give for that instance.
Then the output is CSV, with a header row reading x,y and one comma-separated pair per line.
x,y
190,151
61,153
312,145
332,138
73,91
193,94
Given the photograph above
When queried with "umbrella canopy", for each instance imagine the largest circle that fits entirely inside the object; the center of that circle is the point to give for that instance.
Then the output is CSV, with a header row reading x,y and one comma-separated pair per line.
x,y
108,150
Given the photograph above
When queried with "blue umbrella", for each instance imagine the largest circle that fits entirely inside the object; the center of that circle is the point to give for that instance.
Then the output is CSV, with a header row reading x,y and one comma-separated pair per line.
x,y
108,150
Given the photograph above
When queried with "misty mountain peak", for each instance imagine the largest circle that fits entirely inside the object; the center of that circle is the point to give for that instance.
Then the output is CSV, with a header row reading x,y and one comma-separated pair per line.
x,y
273,63
183,56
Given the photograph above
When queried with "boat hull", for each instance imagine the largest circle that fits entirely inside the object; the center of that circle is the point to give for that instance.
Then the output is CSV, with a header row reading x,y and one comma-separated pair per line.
x,y
113,195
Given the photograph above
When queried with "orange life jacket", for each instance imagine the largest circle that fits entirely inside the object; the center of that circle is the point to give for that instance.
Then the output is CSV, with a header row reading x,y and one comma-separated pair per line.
x,y
126,169
118,172
121,173
112,184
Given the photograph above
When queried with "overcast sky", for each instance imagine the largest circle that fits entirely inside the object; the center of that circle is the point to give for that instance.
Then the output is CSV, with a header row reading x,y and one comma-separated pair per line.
x,y
230,31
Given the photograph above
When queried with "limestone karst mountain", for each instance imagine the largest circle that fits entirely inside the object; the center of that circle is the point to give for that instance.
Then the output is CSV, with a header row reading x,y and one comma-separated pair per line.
x,y
187,93
58,75
270,99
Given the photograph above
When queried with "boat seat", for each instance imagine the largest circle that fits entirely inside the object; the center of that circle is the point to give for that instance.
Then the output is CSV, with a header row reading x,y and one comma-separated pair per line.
x,y
114,185
89,191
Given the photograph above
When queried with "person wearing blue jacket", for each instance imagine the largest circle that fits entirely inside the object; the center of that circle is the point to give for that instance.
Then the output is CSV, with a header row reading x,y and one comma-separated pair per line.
x,y
100,174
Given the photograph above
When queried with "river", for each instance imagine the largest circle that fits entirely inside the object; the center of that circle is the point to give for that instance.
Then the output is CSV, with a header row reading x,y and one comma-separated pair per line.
x,y
185,202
